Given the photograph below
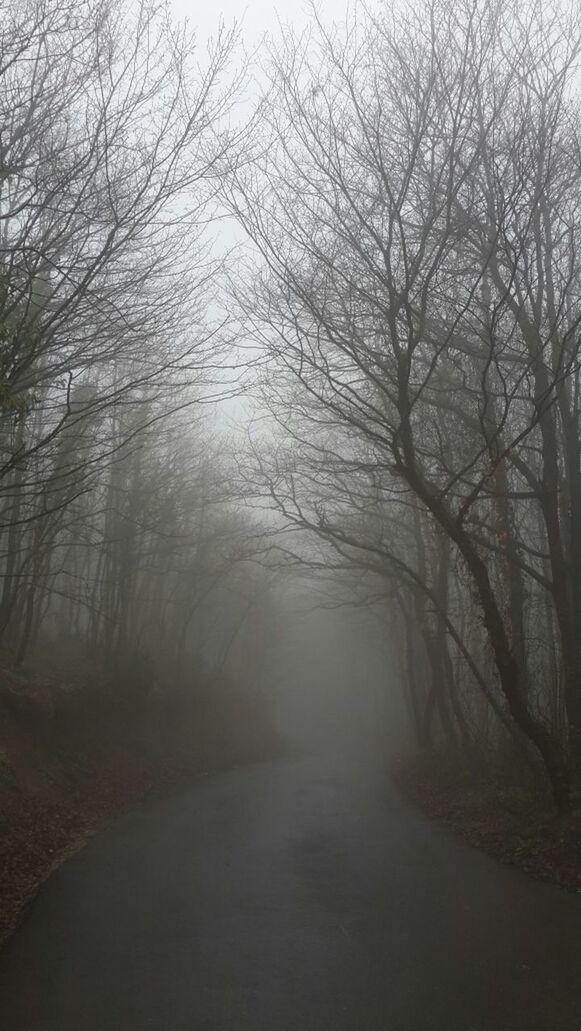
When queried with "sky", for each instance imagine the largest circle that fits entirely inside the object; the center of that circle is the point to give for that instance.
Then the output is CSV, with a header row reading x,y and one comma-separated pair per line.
x,y
255,16
256,19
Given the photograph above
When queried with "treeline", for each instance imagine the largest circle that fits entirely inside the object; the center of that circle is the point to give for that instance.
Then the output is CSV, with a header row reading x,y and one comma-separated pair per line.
x,y
415,199
116,527
411,298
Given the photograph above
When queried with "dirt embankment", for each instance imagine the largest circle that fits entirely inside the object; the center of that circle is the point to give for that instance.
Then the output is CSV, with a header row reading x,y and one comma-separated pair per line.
x,y
502,819
70,761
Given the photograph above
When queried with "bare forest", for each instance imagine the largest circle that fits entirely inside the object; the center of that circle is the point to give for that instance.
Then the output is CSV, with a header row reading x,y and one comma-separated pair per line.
x,y
413,200
290,442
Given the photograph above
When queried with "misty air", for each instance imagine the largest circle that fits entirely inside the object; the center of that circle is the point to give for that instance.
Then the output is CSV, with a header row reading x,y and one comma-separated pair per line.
x,y
290,515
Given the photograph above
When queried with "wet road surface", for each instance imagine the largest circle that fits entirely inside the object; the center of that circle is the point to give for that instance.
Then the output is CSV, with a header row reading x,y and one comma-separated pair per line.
x,y
298,895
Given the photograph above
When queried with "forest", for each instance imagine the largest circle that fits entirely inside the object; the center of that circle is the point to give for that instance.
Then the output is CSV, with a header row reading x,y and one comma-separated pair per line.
x,y
412,200
294,322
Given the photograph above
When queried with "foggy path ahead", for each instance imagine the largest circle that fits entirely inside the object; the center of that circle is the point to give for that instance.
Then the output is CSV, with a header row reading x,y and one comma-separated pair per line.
x,y
301,895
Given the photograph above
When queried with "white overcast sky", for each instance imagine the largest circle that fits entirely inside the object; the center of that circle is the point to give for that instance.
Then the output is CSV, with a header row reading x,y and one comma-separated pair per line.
x,y
255,16
256,19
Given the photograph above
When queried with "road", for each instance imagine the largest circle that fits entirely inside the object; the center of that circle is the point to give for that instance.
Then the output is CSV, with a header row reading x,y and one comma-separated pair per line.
x,y
298,895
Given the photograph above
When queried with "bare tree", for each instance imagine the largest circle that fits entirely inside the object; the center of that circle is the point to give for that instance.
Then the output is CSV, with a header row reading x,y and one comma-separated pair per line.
x,y
413,200
113,124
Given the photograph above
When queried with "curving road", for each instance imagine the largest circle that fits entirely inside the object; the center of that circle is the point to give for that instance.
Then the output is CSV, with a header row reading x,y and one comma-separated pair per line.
x,y
300,895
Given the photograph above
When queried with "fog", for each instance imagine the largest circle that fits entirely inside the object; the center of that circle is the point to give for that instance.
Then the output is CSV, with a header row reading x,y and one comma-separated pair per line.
x,y
290,511
250,336
332,677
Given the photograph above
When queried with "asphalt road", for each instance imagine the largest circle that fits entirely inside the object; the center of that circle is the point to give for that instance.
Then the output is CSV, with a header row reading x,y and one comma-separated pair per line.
x,y
301,895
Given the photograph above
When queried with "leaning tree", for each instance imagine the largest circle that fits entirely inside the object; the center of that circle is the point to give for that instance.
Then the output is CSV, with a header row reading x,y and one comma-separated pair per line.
x,y
414,204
